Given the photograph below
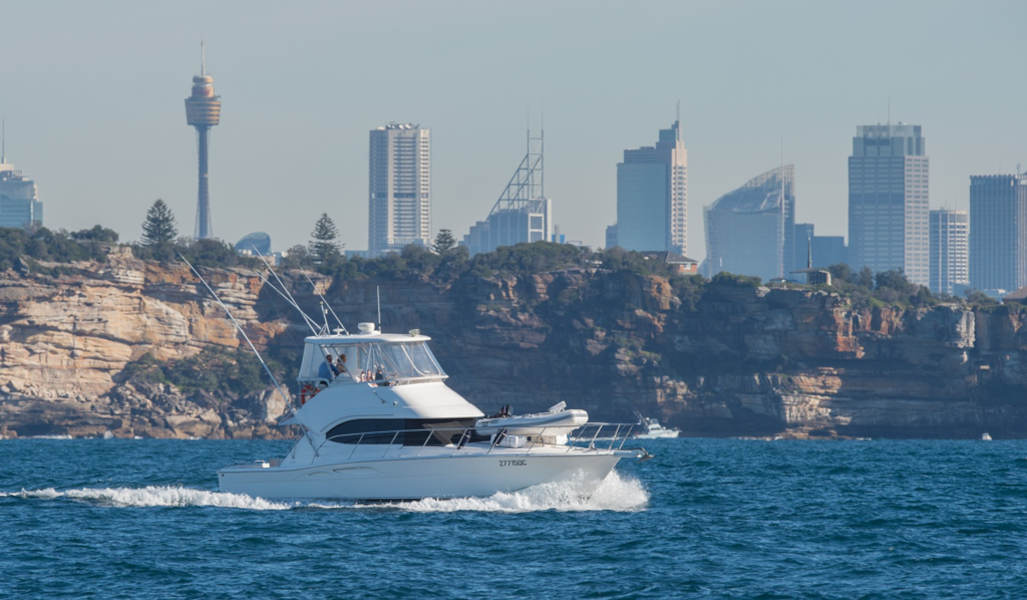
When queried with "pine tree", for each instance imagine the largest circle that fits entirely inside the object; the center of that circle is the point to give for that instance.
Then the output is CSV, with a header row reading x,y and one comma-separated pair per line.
x,y
322,243
444,242
159,226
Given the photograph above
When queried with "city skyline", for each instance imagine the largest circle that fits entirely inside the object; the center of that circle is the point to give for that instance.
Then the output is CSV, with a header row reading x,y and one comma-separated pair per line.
x,y
303,96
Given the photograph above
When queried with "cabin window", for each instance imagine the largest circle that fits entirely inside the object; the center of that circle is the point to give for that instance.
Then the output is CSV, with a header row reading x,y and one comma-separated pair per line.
x,y
408,432
389,362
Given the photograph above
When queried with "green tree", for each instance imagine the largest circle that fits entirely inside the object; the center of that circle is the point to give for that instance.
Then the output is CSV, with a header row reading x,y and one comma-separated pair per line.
x,y
96,234
159,227
865,278
322,243
444,242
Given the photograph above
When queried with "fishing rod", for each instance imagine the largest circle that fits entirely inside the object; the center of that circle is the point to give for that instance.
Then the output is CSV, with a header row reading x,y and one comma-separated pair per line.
x,y
310,322
295,304
238,328
325,303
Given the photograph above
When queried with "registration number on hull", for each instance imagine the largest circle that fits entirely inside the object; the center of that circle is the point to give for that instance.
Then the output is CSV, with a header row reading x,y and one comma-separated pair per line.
x,y
513,462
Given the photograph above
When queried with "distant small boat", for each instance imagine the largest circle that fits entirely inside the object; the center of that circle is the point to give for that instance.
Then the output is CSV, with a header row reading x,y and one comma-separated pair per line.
x,y
986,437
650,429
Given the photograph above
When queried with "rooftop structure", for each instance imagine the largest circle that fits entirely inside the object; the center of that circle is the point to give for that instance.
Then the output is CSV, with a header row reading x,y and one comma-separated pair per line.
x,y
203,111
522,214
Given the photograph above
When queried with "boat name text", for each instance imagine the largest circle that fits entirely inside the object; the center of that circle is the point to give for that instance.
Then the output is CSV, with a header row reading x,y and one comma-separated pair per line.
x,y
513,463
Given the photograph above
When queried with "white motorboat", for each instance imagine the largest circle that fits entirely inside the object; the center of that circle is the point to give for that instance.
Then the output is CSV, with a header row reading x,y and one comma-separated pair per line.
x,y
387,426
650,429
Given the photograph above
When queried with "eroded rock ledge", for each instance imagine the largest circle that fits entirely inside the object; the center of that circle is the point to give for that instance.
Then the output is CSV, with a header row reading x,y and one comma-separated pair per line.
x,y
714,359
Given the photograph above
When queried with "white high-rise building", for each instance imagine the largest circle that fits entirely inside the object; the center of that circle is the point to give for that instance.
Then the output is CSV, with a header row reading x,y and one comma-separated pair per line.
x,y
888,201
950,250
652,195
399,188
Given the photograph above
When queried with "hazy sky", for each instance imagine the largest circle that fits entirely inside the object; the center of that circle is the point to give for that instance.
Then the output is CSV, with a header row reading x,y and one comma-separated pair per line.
x,y
93,93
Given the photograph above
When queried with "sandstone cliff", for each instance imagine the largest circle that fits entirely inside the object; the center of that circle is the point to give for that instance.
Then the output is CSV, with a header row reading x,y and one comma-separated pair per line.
x,y
719,358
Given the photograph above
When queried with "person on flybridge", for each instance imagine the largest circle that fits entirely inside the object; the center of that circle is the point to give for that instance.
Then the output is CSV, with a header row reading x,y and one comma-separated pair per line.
x,y
327,370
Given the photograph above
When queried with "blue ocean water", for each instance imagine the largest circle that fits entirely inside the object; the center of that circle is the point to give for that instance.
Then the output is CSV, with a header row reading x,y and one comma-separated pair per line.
x,y
704,518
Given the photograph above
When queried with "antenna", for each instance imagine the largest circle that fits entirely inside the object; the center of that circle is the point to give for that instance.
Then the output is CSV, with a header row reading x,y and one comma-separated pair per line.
x,y
378,294
542,153
203,58
789,260
889,116
3,142
809,251
677,117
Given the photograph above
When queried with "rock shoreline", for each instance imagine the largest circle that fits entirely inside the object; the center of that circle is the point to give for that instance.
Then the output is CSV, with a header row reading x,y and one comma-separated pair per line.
x,y
735,360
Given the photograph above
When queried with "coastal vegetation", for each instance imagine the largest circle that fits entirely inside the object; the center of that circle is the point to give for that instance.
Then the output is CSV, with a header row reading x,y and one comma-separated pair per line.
x,y
443,263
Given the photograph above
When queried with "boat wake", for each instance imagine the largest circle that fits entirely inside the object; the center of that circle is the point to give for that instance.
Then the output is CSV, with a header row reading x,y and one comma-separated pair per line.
x,y
615,493
153,496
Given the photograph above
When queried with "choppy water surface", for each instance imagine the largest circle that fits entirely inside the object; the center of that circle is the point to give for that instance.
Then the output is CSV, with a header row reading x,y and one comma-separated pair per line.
x,y
704,518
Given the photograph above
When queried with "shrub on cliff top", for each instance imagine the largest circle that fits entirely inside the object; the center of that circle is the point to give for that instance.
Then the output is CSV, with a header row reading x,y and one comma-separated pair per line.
x,y
725,278
52,246
529,259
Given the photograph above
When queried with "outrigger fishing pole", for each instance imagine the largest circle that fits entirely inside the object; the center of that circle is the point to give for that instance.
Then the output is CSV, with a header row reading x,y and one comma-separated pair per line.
x,y
238,328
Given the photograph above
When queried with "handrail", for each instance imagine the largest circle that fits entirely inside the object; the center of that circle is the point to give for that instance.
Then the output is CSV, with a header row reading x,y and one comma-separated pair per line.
x,y
621,433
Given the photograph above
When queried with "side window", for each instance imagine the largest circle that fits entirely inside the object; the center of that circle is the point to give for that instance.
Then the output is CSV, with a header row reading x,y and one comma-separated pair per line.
x,y
365,431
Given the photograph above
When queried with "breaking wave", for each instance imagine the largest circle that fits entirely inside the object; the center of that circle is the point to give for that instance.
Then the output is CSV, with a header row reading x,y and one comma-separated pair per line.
x,y
151,496
615,493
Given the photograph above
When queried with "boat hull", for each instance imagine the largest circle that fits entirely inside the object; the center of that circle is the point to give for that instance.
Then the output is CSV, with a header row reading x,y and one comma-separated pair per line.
x,y
420,477
658,435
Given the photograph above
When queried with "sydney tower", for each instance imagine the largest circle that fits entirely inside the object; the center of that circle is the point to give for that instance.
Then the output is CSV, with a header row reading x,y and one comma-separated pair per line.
x,y
203,111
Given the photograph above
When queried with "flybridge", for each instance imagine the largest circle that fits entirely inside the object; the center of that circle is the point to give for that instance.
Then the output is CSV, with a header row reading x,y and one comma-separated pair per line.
x,y
369,356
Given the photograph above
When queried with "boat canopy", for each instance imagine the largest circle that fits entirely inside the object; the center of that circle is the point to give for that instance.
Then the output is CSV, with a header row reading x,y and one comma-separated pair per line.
x,y
391,358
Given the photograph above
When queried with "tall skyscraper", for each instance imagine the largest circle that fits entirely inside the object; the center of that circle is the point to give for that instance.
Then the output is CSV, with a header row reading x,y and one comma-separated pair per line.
x,y
998,232
203,111
750,231
19,199
888,200
399,188
522,213
828,250
950,230
652,195
801,247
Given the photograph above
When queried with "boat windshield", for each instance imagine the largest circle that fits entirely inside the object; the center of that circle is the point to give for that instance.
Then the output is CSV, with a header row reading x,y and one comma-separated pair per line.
x,y
393,362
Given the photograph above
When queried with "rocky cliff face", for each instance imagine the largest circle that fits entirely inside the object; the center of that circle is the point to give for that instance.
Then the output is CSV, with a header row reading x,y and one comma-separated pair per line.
x,y
714,359
64,340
